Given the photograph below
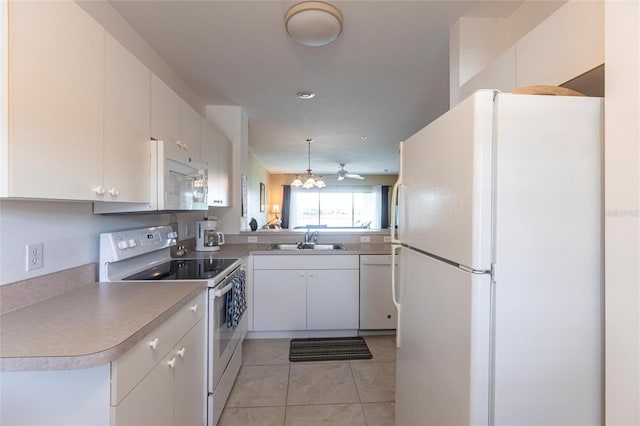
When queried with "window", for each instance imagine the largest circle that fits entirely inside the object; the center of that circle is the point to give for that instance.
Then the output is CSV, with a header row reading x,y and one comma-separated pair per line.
x,y
357,207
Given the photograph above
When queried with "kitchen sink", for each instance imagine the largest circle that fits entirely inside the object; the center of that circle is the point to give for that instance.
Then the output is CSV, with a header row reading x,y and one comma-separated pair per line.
x,y
305,246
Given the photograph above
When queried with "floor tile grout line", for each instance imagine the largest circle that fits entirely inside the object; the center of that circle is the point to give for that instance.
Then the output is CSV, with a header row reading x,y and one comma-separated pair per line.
x,y
286,396
355,383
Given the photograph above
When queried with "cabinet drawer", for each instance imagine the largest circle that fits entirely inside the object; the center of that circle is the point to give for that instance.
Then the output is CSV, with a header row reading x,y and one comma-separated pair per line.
x,y
190,314
130,368
306,261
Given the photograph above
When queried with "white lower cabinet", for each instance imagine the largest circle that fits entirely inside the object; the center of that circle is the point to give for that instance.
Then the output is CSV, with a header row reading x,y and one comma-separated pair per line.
x,y
173,391
190,378
280,300
159,381
305,292
332,299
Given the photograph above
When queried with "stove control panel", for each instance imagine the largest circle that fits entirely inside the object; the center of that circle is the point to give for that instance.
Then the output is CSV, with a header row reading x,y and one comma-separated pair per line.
x,y
121,245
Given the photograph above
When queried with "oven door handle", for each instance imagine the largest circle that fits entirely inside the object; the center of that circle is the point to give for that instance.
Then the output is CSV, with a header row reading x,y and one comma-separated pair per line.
x,y
219,292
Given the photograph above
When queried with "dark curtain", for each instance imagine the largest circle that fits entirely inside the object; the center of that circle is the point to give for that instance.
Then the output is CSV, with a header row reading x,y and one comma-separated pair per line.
x,y
286,205
384,214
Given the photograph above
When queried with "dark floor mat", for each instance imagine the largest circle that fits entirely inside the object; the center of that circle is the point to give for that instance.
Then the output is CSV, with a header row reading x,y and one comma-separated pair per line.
x,y
328,349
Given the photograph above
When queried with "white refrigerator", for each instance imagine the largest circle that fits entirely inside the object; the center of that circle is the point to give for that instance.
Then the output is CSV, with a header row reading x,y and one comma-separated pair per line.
x,y
499,296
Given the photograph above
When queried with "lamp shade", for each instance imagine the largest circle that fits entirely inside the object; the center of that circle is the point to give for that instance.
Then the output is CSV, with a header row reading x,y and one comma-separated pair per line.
x,y
313,23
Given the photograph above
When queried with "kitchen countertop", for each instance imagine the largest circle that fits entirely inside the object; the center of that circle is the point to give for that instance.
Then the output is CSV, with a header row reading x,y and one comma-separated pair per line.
x,y
89,326
241,250
98,322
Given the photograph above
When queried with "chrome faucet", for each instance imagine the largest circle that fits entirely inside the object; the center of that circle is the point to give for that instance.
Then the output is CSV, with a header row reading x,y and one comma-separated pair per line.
x,y
311,237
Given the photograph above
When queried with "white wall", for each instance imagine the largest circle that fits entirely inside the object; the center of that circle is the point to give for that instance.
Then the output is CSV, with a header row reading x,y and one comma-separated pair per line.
x,y
256,174
69,231
622,201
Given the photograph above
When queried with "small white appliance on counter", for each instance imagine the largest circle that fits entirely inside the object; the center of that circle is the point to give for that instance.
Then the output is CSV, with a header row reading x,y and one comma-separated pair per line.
x,y
500,250
145,254
207,236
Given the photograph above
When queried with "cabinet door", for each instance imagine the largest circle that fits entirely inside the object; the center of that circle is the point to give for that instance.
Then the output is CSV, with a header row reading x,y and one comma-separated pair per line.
x,y
332,299
150,403
165,117
189,380
216,152
189,132
225,166
56,64
127,115
280,300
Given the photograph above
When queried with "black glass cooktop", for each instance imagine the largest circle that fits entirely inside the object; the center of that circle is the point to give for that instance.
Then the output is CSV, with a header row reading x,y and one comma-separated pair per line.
x,y
183,269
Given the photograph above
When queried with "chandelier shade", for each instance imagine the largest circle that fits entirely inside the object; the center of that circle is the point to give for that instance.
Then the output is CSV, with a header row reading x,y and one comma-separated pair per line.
x,y
308,180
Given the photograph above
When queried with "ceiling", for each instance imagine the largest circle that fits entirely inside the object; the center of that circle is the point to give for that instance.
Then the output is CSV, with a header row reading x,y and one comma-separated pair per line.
x,y
385,77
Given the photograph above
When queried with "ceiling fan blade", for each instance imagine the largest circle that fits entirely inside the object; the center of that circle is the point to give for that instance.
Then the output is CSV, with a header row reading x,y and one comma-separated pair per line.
x,y
340,177
354,176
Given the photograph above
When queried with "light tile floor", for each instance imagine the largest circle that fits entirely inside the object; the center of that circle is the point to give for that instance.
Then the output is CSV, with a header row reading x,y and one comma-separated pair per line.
x,y
271,391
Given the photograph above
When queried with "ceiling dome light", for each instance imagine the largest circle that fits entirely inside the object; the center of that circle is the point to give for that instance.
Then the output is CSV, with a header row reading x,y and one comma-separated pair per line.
x,y
305,94
313,23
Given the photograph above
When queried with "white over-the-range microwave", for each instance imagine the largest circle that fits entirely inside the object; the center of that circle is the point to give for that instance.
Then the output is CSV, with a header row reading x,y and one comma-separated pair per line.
x,y
175,186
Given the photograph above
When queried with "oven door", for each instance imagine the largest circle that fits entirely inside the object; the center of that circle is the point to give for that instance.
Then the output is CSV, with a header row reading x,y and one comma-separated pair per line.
x,y
223,340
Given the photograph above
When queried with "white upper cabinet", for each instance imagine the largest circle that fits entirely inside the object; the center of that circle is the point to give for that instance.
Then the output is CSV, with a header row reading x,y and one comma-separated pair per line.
x,y
127,114
165,116
79,108
175,122
568,43
190,131
56,75
216,152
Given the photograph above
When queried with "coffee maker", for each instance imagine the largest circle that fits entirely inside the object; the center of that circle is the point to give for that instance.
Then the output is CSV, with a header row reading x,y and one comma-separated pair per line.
x,y
207,236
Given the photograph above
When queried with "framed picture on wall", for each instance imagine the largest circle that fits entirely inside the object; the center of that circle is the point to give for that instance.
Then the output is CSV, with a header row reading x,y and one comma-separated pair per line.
x,y
262,197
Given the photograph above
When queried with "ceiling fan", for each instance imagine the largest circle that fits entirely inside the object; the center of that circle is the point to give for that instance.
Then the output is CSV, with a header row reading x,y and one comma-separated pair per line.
x,y
342,173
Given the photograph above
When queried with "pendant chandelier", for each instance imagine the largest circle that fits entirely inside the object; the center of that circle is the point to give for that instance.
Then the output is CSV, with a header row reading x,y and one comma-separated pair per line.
x,y
308,180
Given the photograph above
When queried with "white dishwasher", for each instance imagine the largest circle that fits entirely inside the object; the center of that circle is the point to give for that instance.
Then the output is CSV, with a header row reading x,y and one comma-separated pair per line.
x,y
377,311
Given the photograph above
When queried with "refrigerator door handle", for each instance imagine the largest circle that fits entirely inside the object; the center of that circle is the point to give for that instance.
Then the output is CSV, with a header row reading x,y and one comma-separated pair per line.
x,y
396,302
394,201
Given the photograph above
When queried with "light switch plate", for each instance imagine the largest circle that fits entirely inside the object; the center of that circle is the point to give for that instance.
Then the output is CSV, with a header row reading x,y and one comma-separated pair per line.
x,y
252,239
364,239
387,239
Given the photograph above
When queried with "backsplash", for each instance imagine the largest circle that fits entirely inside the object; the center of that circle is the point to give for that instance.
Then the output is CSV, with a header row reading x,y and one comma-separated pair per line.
x,y
22,293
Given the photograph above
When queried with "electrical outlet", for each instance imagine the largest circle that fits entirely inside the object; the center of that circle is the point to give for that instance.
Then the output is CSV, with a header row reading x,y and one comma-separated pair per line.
x,y
364,239
252,239
34,256
387,239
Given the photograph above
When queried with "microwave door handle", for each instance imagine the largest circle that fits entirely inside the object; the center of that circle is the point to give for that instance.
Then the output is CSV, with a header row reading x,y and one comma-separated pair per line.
x,y
219,292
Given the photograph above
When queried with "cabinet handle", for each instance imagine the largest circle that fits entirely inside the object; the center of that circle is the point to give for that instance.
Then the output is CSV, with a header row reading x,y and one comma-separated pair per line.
x,y
172,362
100,190
301,274
114,192
310,274
194,308
154,343
180,353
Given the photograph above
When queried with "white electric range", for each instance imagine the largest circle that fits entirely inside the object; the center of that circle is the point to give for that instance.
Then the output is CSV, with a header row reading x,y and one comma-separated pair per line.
x,y
144,254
